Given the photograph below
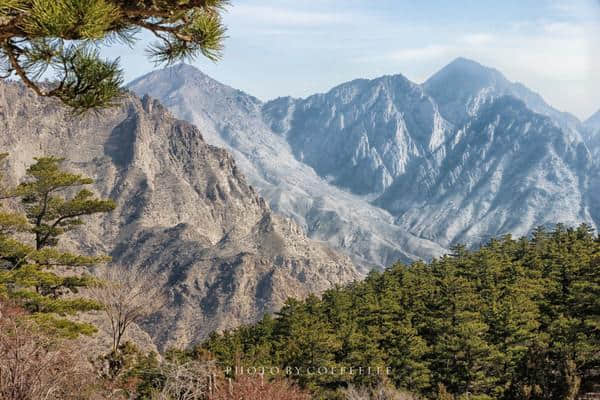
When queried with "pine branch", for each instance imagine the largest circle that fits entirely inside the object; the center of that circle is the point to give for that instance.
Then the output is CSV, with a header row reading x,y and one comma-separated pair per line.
x,y
62,36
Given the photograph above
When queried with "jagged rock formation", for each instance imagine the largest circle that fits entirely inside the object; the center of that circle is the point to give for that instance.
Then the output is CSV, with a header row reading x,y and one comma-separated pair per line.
x,y
233,119
592,138
185,213
364,134
506,171
465,156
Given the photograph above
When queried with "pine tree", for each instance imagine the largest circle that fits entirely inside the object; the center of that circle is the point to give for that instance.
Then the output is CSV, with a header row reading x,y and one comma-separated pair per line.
x,y
305,340
62,36
461,357
35,272
515,319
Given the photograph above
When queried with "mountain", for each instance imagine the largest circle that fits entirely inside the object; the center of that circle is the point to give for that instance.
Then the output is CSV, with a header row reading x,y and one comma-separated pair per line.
x,y
592,137
185,213
363,134
593,122
237,121
462,86
464,156
507,170
592,126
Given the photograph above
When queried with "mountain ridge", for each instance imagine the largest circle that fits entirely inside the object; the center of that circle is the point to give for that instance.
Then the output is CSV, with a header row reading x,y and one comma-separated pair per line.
x,y
346,221
368,136
485,81
185,213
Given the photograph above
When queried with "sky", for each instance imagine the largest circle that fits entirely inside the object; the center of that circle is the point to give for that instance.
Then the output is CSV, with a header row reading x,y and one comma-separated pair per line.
x,y
301,47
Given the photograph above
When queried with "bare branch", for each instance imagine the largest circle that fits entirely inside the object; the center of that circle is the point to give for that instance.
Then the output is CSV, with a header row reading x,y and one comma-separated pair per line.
x,y
128,296
34,366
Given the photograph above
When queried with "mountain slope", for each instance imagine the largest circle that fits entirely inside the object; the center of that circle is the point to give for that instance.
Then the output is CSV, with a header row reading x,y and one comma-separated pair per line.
x,y
364,134
465,156
593,122
234,120
437,158
185,213
463,85
508,170
592,137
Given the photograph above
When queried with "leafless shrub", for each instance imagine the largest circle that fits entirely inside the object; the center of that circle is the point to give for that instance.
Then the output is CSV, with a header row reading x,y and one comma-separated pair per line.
x,y
34,366
128,297
380,393
193,380
256,387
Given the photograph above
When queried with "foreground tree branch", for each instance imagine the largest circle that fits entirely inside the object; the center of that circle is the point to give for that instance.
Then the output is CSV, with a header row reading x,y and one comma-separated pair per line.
x,y
60,38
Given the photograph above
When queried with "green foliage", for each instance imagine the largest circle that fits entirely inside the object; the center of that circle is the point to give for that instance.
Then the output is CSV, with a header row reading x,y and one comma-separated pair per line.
x,y
516,319
63,36
77,19
52,215
60,327
33,271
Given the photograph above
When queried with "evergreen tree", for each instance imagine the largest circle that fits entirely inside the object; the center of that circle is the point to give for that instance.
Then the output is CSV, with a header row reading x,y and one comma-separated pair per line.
x,y
312,354
62,36
516,319
35,272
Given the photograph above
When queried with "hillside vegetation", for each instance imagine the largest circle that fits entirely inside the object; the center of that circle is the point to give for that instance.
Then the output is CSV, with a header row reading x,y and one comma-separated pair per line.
x,y
516,319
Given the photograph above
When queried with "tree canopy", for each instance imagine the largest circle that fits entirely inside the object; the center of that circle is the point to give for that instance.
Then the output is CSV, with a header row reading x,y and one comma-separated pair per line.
x,y
62,37
516,319
33,271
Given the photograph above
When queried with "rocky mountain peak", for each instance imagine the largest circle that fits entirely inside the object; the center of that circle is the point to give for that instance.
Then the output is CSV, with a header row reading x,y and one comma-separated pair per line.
x,y
436,162
362,134
258,135
593,122
462,86
185,212
466,71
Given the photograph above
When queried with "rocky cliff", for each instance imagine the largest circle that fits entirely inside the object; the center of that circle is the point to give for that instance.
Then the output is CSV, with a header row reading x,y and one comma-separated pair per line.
x,y
185,213
234,119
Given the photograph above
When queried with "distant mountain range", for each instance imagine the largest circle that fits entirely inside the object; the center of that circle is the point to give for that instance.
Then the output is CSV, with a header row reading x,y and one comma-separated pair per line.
x,y
234,120
387,169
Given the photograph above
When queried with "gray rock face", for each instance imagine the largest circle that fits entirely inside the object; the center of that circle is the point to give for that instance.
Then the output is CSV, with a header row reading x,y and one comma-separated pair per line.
x,y
230,118
364,134
185,213
592,135
475,155
592,139
506,171
464,156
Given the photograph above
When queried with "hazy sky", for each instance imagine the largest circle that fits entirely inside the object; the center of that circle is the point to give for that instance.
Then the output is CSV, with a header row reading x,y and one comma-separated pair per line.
x,y
300,47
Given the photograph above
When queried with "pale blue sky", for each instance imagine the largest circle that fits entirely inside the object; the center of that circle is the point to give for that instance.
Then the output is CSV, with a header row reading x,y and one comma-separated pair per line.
x,y
299,47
